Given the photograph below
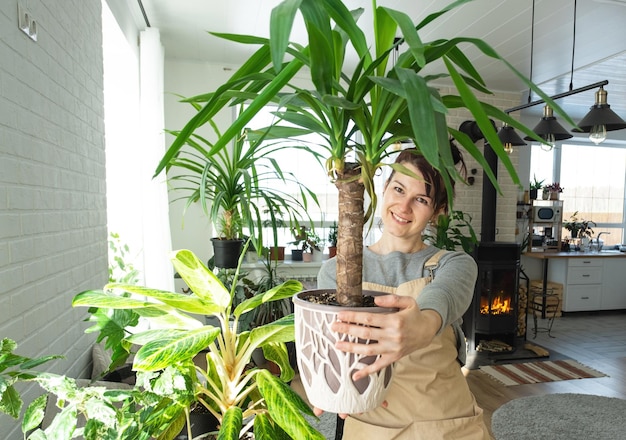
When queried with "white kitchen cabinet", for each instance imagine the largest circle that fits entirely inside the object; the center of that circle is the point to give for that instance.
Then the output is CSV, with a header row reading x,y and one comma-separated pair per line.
x,y
613,284
590,283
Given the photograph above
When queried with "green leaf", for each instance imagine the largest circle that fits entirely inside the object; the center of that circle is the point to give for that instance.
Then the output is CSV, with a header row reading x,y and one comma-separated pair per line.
x,y
281,23
285,290
174,346
11,402
281,330
266,429
34,413
63,424
231,424
277,353
200,279
286,407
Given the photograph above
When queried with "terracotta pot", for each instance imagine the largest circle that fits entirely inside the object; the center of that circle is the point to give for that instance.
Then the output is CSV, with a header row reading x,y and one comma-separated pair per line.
x,y
307,257
277,253
326,373
332,251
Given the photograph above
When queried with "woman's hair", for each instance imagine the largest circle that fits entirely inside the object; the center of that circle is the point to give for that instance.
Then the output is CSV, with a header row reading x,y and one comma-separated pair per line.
x,y
435,186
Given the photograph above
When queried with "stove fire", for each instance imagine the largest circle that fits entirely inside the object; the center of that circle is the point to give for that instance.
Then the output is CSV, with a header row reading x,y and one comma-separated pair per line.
x,y
492,315
500,305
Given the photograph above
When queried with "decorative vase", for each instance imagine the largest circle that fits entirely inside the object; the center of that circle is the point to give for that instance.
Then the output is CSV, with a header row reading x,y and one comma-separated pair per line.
x,y
226,252
326,372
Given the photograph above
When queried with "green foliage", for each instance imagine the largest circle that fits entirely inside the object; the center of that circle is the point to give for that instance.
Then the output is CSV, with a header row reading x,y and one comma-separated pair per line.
x,y
229,387
453,231
332,234
579,227
236,186
536,184
120,270
13,369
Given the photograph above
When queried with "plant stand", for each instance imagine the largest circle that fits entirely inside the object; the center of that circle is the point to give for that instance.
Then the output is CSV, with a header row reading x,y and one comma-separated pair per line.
x,y
326,372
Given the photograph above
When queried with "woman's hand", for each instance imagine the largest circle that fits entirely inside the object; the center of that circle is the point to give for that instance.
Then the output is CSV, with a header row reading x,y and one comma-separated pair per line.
x,y
396,334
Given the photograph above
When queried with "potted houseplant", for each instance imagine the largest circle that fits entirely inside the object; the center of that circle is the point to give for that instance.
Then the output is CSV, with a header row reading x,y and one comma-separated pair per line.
x,y
579,227
453,231
535,186
332,240
235,186
554,189
90,411
237,395
359,113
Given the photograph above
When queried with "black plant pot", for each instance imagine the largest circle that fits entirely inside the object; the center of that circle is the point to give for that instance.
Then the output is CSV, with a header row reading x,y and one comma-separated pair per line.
x,y
226,252
201,423
296,254
533,194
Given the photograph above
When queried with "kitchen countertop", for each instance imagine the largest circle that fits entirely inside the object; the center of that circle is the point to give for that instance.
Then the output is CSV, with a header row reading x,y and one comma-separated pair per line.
x,y
548,255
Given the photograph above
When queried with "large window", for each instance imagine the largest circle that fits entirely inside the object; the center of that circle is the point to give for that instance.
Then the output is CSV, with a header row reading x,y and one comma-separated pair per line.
x,y
309,172
593,178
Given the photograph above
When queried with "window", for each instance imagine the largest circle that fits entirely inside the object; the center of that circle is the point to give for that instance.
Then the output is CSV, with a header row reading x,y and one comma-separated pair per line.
x,y
593,178
310,173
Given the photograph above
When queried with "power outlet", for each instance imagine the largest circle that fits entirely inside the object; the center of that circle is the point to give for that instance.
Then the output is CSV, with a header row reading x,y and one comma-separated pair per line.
x,y
26,23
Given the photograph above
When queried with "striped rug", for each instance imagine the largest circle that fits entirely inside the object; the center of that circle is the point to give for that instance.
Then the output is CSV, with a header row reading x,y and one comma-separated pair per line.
x,y
538,372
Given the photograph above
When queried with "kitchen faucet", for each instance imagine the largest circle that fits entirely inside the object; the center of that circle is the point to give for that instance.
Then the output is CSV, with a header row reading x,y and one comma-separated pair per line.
x,y
598,239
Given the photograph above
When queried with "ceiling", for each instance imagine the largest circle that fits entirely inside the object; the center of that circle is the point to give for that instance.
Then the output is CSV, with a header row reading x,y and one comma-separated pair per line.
x,y
600,38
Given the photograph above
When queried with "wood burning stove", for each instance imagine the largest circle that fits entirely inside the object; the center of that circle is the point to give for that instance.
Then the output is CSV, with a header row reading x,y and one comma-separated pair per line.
x,y
493,314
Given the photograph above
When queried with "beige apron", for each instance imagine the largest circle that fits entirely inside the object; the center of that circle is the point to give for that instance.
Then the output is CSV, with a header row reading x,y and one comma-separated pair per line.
x,y
429,398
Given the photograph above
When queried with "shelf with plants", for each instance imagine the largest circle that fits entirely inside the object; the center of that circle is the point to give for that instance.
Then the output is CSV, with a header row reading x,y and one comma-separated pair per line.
x,y
545,224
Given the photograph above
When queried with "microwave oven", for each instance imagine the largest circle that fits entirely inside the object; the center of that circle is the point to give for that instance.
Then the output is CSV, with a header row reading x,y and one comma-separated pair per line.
x,y
546,214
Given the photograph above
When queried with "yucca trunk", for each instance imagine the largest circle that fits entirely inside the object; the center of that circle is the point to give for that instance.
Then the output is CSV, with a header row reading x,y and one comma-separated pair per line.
x,y
350,237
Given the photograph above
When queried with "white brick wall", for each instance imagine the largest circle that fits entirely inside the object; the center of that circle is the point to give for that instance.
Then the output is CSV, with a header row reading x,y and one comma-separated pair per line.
x,y
469,198
53,238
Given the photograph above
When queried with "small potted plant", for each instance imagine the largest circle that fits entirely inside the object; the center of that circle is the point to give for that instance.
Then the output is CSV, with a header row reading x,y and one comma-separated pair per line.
x,y
332,240
535,186
554,189
579,228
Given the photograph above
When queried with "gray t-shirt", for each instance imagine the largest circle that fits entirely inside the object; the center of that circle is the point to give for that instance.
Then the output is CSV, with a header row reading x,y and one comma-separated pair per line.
x,y
449,294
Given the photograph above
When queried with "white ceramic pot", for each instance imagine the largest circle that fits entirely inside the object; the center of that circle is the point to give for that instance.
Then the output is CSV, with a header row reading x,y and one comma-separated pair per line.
x,y
326,373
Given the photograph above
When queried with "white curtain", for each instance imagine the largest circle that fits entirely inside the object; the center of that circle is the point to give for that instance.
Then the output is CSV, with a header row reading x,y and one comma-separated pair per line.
x,y
156,226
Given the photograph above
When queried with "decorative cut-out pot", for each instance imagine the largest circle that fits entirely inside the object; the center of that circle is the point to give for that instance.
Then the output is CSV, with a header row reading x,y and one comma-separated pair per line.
x,y
326,373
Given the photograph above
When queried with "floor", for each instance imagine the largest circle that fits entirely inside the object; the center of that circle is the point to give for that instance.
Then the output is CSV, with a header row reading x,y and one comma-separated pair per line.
x,y
595,339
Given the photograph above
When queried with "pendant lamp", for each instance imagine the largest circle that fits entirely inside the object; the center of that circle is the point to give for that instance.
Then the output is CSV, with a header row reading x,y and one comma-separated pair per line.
x,y
600,119
509,138
549,129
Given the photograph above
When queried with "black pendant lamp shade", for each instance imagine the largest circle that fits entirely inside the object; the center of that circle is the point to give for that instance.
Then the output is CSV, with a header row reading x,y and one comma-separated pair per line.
x,y
509,138
600,114
549,129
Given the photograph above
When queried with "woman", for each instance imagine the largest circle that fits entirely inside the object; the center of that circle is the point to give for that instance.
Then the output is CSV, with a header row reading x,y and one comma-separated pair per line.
x,y
429,398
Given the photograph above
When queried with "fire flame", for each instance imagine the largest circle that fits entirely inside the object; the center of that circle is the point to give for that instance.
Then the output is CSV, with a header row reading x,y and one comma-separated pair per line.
x,y
500,305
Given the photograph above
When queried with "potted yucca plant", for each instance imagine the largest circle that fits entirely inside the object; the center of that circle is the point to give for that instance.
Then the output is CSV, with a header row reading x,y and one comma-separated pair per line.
x,y
359,111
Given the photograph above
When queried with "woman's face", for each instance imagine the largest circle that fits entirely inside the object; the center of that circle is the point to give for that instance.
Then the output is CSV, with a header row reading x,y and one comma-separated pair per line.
x,y
406,207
